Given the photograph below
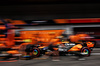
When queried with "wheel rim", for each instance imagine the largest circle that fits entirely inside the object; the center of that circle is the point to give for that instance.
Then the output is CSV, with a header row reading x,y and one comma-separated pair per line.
x,y
86,51
35,52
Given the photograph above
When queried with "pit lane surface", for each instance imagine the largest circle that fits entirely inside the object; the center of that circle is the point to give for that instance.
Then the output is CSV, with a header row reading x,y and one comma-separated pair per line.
x,y
93,60
65,61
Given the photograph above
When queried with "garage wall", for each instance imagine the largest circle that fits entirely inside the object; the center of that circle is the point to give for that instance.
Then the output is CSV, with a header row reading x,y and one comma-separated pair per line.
x,y
50,11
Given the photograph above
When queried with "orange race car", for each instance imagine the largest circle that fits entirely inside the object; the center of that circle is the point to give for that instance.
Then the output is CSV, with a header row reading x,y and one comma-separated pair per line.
x,y
70,46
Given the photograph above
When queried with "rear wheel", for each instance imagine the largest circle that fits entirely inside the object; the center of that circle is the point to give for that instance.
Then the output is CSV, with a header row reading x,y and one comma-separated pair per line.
x,y
35,52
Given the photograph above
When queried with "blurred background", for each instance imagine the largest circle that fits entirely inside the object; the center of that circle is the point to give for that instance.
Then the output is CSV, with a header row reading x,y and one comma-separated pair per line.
x,y
23,21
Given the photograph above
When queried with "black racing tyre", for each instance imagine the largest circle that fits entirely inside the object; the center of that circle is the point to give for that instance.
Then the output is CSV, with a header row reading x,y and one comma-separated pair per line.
x,y
86,50
36,52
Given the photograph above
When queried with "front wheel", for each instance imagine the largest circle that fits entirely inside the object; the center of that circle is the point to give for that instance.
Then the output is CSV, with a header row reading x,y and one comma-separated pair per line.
x,y
86,51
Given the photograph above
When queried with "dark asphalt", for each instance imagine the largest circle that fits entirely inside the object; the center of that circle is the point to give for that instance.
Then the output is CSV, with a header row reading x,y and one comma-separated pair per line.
x,y
65,61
